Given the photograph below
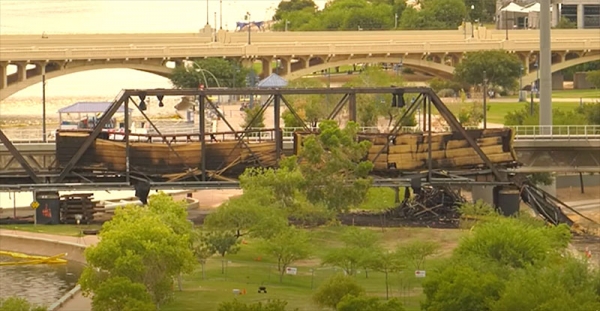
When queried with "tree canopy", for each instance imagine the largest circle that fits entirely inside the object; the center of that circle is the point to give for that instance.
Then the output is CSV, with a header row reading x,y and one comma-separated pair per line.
x,y
227,72
140,251
513,264
501,69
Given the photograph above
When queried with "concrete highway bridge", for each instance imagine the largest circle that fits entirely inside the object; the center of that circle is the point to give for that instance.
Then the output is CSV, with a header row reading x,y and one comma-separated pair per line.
x,y
25,58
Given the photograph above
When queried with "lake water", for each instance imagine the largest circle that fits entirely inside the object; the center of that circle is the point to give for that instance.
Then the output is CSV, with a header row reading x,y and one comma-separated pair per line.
x,y
39,284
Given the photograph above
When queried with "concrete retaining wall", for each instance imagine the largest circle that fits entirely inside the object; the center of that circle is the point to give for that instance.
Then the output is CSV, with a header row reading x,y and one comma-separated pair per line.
x,y
42,247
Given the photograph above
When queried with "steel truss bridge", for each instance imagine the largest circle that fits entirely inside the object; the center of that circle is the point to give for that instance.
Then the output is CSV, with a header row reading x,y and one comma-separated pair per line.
x,y
68,177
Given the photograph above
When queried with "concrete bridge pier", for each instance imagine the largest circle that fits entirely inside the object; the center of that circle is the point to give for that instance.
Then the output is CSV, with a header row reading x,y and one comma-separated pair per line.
x,y
3,75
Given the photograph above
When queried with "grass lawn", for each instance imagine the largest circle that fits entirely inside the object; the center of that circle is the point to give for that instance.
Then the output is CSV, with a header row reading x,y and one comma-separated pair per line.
x,y
249,269
590,93
68,230
497,111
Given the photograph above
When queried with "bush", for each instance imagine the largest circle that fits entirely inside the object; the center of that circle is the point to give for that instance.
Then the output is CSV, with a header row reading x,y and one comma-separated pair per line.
x,y
446,93
332,291
19,304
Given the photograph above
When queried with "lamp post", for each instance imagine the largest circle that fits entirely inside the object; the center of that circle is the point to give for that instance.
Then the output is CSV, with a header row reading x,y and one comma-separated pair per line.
x,y
506,24
396,21
472,30
286,25
249,28
220,14
44,108
521,84
207,14
485,81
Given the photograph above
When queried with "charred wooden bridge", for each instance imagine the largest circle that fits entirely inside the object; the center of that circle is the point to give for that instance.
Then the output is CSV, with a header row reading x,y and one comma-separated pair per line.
x,y
95,159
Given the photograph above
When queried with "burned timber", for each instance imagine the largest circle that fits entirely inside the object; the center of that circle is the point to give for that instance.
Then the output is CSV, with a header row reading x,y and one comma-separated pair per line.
x,y
94,159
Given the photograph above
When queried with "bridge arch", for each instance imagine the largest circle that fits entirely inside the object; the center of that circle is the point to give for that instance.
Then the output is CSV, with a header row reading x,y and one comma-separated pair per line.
x,y
532,76
160,70
430,67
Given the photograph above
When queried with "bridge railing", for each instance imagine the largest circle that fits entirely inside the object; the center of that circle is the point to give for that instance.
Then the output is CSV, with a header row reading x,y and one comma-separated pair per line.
x,y
557,132
522,132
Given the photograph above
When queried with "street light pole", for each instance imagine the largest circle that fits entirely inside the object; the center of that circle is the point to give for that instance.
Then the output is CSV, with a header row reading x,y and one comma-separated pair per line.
x,y
472,29
207,14
396,21
249,29
485,81
545,66
506,24
44,107
220,14
521,85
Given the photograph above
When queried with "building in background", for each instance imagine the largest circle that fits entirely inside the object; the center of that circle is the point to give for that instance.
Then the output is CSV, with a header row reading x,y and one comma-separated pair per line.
x,y
523,14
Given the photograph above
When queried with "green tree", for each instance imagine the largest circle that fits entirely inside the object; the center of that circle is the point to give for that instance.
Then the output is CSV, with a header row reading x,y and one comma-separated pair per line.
x,y
386,262
310,108
439,14
523,116
247,214
464,284
201,248
364,303
140,245
19,304
502,69
120,294
591,111
568,285
358,251
332,163
288,246
565,23
483,10
254,117
334,289
223,243
417,252
227,72
293,6
593,77
372,106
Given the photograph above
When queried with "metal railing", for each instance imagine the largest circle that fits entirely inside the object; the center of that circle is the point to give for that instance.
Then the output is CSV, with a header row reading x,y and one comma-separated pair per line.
x,y
557,132
522,132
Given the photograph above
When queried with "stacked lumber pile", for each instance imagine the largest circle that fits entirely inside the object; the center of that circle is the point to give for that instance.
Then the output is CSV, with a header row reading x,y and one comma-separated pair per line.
x,y
77,204
408,152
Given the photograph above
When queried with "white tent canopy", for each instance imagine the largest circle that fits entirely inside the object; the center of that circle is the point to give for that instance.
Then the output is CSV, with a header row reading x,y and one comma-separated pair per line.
x,y
512,7
534,8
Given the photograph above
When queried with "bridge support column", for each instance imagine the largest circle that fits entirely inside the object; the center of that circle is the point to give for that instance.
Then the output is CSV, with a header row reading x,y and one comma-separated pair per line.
x,y
40,68
267,67
286,64
21,72
483,193
580,16
3,75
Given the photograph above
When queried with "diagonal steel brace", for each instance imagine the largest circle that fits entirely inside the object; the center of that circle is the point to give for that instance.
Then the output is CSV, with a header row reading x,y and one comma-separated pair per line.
x,y
19,157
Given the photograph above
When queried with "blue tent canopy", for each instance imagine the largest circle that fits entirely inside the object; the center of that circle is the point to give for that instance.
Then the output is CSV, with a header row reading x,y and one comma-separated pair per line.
x,y
272,81
90,107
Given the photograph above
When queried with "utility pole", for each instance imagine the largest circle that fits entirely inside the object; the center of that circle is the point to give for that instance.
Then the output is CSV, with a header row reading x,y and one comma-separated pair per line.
x,y
249,28
485,82
44,139
220,14
207,14
544,68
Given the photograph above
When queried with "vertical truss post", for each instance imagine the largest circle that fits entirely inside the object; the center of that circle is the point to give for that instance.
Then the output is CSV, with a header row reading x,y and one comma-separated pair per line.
x,y
424,118
127,144
19,157
352,106
429,129
276,122
202,131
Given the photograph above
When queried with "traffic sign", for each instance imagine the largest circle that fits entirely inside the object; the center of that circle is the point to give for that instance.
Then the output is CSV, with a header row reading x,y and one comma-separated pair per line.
x,y
34,204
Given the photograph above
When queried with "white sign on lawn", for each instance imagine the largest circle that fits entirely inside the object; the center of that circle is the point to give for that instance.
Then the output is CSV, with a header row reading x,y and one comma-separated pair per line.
x,y
420,273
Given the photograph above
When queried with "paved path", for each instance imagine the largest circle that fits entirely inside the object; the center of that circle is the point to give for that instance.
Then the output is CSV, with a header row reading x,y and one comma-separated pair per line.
x,y
78,302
